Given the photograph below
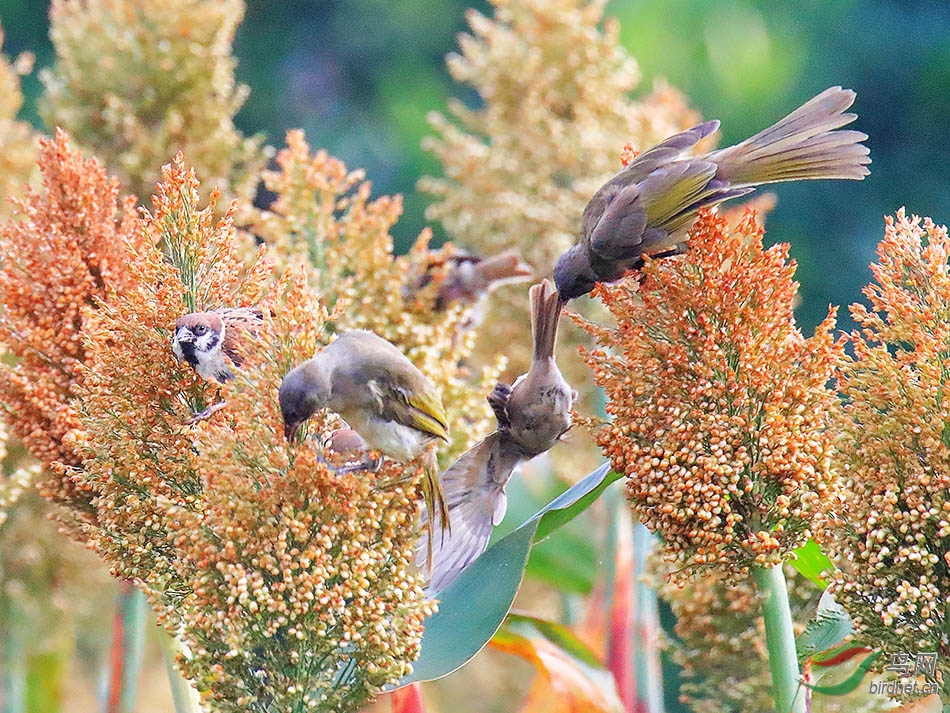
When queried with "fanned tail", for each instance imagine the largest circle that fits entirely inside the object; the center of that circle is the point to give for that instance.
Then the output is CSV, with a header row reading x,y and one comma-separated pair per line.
x,y
803,145
503,267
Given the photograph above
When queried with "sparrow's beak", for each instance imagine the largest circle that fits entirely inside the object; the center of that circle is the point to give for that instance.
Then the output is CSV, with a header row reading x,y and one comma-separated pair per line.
x,y
290,430
184,335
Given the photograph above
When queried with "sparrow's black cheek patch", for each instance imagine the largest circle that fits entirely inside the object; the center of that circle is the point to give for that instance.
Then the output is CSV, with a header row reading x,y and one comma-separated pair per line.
x,y
188,351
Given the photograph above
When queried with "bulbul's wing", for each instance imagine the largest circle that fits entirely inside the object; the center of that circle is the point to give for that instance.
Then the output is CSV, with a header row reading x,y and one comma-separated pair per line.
x,y
642,166
415,405
475,495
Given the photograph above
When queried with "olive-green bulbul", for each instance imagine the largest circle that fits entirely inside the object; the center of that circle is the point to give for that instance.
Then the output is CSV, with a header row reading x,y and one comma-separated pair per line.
x,y
380,394
647,207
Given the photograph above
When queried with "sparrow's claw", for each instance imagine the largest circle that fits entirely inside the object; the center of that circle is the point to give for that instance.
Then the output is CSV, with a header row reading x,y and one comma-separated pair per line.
x,y
207,413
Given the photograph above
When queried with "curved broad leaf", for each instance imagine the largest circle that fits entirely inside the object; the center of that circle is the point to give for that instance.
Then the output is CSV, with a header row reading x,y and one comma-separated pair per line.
x,y
474,605
829,628
558,634
838,655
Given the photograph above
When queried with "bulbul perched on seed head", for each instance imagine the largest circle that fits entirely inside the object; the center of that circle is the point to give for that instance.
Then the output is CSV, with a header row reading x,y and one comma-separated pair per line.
x,y
649,205
380,394
210,341
533,415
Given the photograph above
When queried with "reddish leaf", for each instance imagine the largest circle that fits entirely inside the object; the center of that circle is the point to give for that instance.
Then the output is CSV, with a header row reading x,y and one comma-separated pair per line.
x,y
407,699
836,656
568,683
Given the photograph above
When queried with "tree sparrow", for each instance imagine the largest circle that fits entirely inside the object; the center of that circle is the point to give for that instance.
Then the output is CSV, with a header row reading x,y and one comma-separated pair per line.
x,y
209,341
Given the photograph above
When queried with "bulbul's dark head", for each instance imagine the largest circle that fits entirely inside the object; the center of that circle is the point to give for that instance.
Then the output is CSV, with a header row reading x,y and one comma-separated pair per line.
x,y
573,274
302,393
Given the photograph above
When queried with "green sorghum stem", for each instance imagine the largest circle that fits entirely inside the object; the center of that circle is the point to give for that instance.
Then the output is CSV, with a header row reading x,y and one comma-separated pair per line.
x,y
184,696
780,639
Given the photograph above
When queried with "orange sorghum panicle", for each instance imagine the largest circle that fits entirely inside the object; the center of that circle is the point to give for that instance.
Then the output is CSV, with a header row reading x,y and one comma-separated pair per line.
x,y
63,253
557,100
288,585
720,407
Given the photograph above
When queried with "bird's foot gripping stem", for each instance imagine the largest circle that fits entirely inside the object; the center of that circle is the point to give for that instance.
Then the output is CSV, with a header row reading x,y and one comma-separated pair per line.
x,y
207,413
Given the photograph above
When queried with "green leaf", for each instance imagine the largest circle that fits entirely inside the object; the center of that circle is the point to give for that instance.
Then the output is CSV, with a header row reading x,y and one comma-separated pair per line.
x,y
810,562
568,505
850,683
829,628
474,605
567,560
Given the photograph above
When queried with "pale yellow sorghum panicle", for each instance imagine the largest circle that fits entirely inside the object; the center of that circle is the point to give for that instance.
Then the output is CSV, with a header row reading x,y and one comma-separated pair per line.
x,y
136,81
891,536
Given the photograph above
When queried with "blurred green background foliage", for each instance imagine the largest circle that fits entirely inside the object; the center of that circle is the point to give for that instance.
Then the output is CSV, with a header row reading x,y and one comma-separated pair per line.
x,y
359,76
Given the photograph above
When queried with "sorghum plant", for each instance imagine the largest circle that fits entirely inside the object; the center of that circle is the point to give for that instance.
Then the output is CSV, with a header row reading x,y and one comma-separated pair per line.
x,y
892,536
721,412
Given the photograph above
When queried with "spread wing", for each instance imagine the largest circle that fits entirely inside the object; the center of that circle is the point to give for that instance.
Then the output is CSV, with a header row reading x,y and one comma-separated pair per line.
x,y
641,167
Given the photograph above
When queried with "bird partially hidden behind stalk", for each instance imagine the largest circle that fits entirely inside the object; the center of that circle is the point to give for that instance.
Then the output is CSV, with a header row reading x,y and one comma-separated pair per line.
x,y
381,395
533,414
469,277
212,343
649,205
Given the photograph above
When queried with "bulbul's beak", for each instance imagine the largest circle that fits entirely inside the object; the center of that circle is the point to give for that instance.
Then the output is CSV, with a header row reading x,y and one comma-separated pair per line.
x,y
290,430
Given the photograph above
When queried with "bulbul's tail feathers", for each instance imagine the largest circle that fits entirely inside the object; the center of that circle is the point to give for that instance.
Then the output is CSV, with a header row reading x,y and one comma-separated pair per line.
x,y
545,312
803,145
433,496
475,495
